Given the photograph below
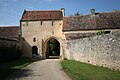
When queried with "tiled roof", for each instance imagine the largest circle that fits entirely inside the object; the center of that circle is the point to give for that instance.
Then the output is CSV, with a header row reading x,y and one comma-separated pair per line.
x,y
108,20
78,22
42,15
9,32
72,36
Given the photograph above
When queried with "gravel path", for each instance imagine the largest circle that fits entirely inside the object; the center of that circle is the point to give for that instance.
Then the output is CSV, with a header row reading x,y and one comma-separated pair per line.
x,y
49,69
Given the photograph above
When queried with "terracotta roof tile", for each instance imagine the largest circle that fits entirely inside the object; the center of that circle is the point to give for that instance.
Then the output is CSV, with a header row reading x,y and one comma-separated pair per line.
x,y
9,32
108,20
42,15
78,22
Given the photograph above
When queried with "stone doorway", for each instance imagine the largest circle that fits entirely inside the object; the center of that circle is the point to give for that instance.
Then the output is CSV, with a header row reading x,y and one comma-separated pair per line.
x,y
52,49
34,51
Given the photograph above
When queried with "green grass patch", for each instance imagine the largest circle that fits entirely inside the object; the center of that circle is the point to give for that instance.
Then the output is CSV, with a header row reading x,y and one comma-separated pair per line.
x,y
10,67
82,71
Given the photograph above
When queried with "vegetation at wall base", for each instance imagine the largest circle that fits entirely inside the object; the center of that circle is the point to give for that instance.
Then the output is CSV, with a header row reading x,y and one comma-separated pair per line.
x,y
10,67
82,71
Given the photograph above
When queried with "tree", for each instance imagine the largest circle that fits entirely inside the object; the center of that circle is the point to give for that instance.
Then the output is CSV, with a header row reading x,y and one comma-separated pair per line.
x,y
54,47
76,14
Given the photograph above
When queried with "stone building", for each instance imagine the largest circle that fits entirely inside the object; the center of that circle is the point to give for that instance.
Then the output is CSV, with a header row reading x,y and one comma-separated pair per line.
x,y
92,38
38,28
9,36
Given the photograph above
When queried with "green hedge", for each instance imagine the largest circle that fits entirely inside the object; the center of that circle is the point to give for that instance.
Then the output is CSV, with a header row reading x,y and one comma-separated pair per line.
x,y
9,54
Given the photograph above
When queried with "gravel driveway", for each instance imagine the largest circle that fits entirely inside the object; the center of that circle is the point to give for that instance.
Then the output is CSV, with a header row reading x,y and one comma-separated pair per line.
x,y
49,69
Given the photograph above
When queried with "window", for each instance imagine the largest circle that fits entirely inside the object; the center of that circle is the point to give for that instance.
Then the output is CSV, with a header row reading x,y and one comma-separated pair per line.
x,y
52,23
34,39
41,22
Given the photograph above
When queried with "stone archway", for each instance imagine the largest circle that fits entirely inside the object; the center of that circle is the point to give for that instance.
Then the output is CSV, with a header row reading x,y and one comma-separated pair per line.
x,y
52,48
34,51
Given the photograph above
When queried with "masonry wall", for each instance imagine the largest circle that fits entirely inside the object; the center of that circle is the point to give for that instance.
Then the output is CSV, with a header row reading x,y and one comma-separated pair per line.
x,y
8,43
42,32
102,50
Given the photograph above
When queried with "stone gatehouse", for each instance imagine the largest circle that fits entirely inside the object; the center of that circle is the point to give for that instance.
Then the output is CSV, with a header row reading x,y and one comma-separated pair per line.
x,y
38,28
92,38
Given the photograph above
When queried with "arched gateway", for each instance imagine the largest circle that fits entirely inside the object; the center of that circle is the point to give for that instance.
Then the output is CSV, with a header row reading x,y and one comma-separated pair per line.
x,y
52,48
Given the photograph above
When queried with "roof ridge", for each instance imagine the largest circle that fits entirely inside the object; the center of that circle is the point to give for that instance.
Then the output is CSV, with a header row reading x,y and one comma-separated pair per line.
x,y
74,16
41,10
8,26
108,12
42,15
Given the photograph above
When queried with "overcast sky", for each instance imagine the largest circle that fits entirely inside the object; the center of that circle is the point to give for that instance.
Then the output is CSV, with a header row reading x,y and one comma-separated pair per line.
x,y
11,10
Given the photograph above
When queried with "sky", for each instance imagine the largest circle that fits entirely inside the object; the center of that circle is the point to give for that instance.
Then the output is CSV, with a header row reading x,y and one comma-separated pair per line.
x,y
12,10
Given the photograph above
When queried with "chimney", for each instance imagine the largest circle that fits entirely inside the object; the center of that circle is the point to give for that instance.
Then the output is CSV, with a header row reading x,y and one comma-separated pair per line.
x,y
63,11
92,11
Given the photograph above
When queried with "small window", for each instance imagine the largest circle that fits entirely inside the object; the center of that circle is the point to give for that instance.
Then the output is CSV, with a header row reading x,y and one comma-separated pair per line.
x,y
52,23
34,39
41,23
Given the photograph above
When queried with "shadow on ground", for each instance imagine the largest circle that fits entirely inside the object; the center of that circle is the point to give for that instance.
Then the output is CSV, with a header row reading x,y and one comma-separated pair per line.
x,y
19,74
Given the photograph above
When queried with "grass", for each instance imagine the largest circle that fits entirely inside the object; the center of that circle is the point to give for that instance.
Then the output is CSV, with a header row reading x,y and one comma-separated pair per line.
x,y
81,71
10,67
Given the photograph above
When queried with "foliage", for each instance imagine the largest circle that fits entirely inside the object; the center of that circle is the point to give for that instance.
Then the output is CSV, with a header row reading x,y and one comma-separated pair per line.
x,y
10,67
9,54
76,14
81,71
65,58
100,32
54,46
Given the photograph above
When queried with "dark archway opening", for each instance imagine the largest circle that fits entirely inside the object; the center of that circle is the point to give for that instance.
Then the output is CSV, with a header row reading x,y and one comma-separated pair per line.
x,y
34,51
53,49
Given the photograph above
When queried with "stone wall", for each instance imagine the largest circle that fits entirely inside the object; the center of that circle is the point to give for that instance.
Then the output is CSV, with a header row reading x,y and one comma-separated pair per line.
x,y
42,32
9,43
101,50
